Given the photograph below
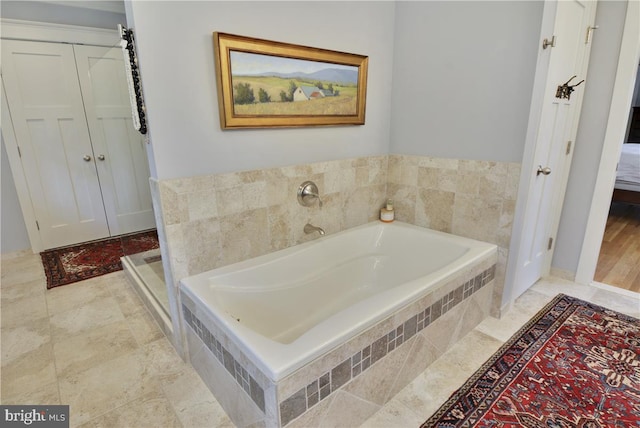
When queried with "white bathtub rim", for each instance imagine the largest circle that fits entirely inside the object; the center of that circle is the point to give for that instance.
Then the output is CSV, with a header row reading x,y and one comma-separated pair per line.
x,y
277,360
275,256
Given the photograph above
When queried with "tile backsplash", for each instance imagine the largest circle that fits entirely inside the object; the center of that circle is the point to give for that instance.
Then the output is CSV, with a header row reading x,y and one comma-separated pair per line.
x,y
215,220
470,198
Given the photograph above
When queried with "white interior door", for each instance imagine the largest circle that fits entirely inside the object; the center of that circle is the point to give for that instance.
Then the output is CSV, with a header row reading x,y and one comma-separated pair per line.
x,y
557,130
42,90
121,157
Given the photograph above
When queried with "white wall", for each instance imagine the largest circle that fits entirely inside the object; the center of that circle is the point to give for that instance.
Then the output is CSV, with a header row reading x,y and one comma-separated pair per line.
x,y
175,47
462,78
605,51
74,14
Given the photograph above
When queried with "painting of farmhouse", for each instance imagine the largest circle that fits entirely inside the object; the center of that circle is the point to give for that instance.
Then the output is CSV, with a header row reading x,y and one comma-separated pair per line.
x,y
268,85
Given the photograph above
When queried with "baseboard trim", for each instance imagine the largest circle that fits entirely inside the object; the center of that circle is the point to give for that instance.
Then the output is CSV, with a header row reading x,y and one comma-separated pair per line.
x,y
563,274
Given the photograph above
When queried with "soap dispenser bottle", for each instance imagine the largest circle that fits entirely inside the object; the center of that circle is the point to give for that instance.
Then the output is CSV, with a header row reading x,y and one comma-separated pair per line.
x,y
387,214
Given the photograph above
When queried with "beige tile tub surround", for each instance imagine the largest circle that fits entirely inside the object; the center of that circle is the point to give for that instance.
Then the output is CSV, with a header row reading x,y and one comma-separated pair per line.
x,y
382,362
209,221
216,220
205,222
470,198
364,373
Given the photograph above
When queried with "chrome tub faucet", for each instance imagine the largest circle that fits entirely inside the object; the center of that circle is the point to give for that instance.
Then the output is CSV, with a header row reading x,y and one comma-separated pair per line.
x,y
309,228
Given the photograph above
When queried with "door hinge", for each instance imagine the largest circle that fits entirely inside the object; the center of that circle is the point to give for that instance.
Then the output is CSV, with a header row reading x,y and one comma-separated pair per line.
x,y
589,29
37,225
550,244
19,152
568,147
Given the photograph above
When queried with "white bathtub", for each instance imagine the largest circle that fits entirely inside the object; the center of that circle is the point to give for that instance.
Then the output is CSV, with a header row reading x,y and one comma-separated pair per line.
x,y
287,308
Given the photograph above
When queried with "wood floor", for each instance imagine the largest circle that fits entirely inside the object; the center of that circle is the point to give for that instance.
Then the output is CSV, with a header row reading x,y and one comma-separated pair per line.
x,y
619,262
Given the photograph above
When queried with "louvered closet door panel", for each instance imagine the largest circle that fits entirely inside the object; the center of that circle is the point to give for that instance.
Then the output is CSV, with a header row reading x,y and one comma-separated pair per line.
x,y
121,156
47,114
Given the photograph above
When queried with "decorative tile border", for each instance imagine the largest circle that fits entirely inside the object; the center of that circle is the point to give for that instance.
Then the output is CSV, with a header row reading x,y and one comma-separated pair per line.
x,y
235,369
320,388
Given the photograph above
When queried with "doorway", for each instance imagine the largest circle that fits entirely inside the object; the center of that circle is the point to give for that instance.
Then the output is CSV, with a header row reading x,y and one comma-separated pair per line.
x,y
619,260
113,154
621,101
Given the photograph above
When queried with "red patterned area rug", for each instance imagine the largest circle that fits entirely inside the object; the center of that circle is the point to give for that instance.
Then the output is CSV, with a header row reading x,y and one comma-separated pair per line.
x,y
83,261
574,365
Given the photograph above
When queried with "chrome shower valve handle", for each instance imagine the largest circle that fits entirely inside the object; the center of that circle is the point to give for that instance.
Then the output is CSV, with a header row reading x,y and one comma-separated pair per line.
x,y
308,193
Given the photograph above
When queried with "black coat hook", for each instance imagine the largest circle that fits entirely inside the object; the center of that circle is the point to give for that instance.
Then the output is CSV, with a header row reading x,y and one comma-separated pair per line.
x,y
565,90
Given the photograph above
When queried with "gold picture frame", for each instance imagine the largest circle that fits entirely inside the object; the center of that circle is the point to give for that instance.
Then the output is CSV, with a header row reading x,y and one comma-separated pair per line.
x,y
266,84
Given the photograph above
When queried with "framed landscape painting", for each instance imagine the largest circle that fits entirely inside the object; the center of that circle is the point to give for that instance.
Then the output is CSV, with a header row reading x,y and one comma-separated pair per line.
x,y
264,84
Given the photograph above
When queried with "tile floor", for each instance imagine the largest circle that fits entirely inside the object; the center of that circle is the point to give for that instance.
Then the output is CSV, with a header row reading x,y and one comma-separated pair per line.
x,y
92,345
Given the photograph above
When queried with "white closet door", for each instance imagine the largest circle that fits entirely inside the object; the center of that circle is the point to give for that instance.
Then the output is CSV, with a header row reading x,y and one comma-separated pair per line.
x,y
121,157
42,90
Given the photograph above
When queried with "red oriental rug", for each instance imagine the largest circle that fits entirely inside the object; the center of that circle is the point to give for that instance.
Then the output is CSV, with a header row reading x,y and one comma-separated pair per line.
x,y
83,261
574,365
